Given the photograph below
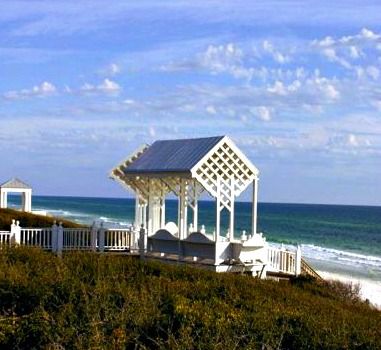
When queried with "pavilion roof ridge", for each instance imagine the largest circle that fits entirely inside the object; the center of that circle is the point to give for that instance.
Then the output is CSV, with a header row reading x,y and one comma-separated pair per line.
x,y
15,183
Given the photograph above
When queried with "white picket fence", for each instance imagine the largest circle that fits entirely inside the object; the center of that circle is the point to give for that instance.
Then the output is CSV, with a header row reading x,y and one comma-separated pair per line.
x,y
58,239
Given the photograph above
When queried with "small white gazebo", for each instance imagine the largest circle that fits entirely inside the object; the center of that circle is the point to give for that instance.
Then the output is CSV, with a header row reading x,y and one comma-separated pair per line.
x,y
187,168
16,186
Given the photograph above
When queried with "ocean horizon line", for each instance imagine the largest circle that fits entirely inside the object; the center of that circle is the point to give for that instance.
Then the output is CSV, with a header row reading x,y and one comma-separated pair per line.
x,y
209,200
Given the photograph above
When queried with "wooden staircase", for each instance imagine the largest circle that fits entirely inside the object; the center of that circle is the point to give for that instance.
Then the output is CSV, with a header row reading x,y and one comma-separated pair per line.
x,y
307,270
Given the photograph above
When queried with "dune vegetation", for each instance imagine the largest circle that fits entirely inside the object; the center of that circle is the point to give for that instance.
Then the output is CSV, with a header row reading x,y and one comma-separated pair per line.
x,y
88,300
29,220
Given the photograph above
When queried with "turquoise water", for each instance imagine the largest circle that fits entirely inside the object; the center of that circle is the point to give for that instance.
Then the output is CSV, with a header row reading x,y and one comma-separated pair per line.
x,y
335,238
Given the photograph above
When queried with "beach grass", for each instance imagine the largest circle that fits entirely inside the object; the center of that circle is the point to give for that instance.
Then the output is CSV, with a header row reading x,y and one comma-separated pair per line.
x,y
30,220
88,300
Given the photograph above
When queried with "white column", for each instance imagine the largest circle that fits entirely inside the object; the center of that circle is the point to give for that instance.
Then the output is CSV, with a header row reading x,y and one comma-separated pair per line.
x,y
185,209
60,239
254,207
195,208
162,210
4,199
137,222
298,261
23,201
101,243
181,210
144,214
27,201
54,236
150,210
232,198
93,237
218,209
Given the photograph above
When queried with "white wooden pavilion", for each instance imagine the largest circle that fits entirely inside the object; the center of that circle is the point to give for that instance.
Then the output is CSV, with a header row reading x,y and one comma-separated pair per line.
x,y
188,168
16,186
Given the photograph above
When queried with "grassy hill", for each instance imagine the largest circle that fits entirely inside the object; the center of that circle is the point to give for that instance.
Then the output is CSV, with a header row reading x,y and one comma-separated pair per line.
x,y
29,220
87,300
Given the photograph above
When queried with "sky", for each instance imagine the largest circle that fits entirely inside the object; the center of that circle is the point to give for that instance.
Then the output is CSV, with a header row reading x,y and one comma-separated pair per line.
x,y
295,84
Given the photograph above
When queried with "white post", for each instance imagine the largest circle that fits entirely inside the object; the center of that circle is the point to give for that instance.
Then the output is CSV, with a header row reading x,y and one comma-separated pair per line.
x,y
195,208
144,214
93,237
298,261
15,232
185,210
23,201
142,242
4,199
60,231
218,209
254,207
150,209
137,222
162,210
232,197
181,213
29,201
54,236
101,243
179,210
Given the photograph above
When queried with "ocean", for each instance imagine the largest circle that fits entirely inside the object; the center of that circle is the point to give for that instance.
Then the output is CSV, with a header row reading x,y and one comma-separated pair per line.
x,y
337,240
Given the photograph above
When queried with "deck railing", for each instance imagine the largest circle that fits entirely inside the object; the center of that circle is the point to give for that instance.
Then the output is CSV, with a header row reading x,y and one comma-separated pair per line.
x,y
282,260
5,238
36,237
58,238
76,239
119,239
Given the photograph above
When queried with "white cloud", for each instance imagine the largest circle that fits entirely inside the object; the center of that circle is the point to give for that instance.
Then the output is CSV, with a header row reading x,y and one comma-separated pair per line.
x,y
278,88
211,109
331,54
373,72
107,86
276,55
368,34
111,70
355,52
151,131
44,89
352,140
264,113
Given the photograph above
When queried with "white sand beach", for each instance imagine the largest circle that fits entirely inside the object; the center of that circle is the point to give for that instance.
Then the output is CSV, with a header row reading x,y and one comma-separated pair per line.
x,y
370,289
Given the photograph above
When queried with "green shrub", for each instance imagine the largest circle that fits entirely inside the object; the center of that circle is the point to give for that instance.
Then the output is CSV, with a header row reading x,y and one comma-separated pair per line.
x,y
87,300
30,220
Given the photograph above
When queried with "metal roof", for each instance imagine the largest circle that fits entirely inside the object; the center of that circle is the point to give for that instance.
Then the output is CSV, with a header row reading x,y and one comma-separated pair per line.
x,y
15,183
172,155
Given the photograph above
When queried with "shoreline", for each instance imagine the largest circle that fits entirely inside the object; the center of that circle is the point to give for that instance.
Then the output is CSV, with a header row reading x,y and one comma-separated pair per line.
x,y
369,289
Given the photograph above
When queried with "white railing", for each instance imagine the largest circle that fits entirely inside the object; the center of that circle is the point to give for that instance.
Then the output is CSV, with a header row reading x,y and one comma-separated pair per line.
x,y
281,260
58,238
119,239
5,237
76,239
36,237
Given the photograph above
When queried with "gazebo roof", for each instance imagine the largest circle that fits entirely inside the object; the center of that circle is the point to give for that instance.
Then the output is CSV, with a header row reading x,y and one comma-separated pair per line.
x,y
15,183
214,163
172,155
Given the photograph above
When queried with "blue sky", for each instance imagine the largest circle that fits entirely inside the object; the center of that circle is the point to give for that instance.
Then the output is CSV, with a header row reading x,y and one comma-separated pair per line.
x,y
296,84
